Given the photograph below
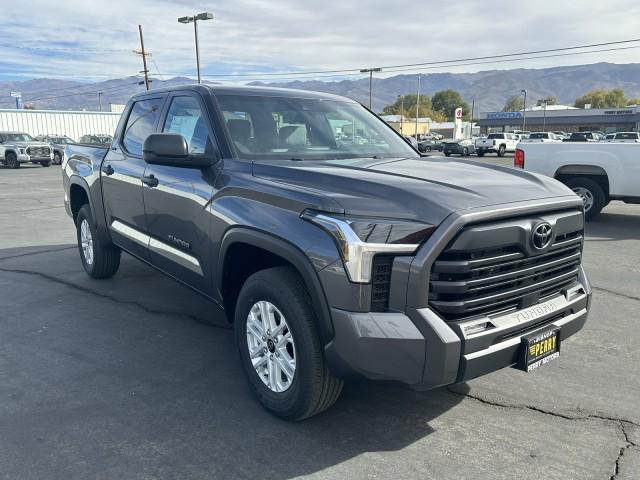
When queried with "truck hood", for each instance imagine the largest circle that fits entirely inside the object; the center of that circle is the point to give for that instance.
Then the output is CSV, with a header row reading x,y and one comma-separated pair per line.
x,y
424,189
27,144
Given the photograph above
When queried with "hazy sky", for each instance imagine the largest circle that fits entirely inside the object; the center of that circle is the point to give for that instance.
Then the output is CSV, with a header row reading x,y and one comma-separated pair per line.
x,y
95,39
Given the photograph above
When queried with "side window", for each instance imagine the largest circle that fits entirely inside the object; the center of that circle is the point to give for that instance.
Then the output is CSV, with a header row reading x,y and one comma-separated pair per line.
x,y
186,118
140,124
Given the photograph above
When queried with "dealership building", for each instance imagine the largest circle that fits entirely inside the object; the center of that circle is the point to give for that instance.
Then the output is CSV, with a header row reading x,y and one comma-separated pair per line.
x,y
563,118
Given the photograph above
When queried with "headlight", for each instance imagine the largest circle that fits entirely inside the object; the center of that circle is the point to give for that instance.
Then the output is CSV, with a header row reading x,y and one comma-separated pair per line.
x,y
359,239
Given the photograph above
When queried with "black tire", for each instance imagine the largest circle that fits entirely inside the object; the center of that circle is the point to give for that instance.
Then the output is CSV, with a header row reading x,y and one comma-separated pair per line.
x,y
428,148
447,154
11,160
313,388
481,153
593,189
501,150
57,159
465,152
106,257
46,163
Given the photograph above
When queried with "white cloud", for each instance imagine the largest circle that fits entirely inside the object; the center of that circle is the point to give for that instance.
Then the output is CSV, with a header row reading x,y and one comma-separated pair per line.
x,y
285,35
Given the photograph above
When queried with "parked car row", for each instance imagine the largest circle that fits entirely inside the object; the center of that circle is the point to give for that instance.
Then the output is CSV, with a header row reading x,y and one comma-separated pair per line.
x,y
20,147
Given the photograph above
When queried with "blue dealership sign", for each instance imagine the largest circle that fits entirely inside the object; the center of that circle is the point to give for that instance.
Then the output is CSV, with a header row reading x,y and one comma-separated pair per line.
x,y
503,115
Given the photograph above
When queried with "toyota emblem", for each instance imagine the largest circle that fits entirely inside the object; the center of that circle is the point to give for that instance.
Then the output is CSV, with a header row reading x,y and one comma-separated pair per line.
x,y
542,234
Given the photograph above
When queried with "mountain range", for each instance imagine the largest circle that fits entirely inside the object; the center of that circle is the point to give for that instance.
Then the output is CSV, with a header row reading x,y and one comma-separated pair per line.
x,y
490,88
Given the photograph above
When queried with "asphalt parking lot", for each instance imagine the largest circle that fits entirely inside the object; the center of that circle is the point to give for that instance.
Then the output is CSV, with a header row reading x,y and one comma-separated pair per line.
x,y
132,378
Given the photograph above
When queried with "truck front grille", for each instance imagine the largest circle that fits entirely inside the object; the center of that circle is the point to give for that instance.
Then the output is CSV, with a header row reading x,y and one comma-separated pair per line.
x,y
38,151
480,282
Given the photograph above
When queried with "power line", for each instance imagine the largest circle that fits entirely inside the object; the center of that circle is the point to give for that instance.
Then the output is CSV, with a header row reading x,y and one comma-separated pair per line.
x,y
439,62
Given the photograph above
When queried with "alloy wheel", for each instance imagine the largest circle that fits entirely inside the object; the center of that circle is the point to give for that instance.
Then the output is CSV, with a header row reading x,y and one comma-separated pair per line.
x,y
586,196
86,242
271,346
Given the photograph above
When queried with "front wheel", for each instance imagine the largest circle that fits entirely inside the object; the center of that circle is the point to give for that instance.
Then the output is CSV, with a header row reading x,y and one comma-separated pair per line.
x,y
99,260
591,193
46,163
279,346
11,160
57,158
481,153
465,152
428,148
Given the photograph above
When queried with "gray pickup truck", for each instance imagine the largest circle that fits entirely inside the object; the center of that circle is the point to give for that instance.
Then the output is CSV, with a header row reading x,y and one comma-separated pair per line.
x,y
333,247
20,147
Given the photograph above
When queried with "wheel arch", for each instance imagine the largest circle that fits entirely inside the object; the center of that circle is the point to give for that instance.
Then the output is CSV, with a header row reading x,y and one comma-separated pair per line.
x,y
247,245
594,172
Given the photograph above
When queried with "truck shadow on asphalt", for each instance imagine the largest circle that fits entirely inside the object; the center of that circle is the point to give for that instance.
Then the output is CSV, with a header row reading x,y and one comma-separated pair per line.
x,y
608,227
124,379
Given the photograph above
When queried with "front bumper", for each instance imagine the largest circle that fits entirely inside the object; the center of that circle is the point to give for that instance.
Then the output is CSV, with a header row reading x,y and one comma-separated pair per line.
x,y
421,349
25,158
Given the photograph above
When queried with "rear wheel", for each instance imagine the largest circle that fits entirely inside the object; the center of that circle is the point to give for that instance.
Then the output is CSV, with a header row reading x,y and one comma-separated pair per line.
x,y
447,154
481,153
591,193
99,260
465,152
46,163
11,160
501,150
279,345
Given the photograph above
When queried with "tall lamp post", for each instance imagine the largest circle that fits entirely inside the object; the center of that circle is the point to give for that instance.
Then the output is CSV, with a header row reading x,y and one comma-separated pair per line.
x,y
370,72
194,19
418,104
524,108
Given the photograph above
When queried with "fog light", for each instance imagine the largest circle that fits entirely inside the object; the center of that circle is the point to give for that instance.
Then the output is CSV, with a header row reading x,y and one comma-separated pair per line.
x,y
477,328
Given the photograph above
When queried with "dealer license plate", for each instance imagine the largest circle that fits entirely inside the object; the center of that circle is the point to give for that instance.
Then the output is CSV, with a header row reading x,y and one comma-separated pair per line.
x,y
540,348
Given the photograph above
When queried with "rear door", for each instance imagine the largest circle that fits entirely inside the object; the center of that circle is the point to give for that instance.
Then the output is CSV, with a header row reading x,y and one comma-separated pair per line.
x,y
121,176
177,212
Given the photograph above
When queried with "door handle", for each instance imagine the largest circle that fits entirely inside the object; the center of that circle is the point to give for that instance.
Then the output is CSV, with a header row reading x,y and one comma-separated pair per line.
x,y
150,181
108,170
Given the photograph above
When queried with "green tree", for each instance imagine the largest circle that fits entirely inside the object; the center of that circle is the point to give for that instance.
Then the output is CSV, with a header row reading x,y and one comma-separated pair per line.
x,y
601,98
406,104
513,104
446,103
633,101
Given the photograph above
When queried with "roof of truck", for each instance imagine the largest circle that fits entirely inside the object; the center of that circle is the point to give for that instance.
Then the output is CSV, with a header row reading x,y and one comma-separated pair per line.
x,y
251,90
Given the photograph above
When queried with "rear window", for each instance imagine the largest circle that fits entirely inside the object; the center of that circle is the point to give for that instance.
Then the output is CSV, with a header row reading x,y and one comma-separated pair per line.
x,y
495,135
539,135
140,124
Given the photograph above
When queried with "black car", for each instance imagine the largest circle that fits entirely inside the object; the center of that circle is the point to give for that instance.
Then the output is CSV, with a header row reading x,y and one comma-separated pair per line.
x,y
57,143
429,145
458,147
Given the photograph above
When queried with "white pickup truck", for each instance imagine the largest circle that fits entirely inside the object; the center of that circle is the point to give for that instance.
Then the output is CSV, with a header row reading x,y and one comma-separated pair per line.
x,y
598,172
498,143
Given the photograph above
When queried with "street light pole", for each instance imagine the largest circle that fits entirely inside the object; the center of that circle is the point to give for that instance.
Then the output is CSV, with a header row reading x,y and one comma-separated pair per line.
x,y
370,72
524,108
194,19
418,104
401,112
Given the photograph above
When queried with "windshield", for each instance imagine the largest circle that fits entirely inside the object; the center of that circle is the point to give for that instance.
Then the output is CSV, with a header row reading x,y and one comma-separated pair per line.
x,y
60,140
19,137
627,136
285,128
539,135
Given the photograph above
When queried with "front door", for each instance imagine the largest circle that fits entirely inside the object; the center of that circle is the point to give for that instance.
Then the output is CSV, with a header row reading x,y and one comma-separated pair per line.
x,y
122,171
177,206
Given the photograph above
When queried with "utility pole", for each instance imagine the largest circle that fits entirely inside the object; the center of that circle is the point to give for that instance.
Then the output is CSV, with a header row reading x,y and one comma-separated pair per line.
x,y
144,58
473,107
418,104
401,112
524,108
100,100
370,72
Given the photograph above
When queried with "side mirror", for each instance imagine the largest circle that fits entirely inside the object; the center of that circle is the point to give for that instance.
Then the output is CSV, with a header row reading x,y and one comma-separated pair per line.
x,y
172,149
